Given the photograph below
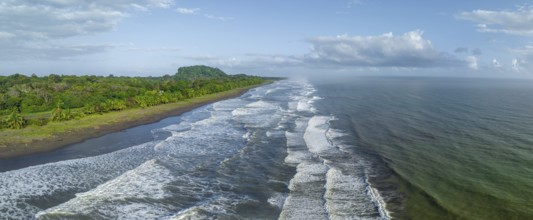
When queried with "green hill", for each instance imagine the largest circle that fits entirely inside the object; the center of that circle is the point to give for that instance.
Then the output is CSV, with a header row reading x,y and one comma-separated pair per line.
x,y
191,73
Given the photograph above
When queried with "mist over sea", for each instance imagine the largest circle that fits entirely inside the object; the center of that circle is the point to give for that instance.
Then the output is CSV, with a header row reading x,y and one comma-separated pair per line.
x,y
362,148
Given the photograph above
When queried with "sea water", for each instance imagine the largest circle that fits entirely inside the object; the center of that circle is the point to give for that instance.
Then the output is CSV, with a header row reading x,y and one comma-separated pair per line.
x,y
264,155
363,148
439,148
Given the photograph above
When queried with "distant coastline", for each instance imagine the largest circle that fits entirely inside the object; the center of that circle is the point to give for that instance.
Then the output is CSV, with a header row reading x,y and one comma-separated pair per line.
x,y
120,121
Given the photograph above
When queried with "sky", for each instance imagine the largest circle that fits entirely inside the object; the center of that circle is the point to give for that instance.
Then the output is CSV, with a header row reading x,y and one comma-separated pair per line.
x,y
472,38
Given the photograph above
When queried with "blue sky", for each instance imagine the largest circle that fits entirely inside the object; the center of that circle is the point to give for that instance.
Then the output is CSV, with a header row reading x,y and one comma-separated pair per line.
x,y
472,38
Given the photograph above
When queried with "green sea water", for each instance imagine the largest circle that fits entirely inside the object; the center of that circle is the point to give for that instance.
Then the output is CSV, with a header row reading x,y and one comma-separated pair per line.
x,y
451,148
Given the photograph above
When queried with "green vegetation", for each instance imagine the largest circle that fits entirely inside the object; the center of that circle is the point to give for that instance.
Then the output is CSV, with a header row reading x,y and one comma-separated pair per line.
x,y
20,140
191,73
32,100
14,120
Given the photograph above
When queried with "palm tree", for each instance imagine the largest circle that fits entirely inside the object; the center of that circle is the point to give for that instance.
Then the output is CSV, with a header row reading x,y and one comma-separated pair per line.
x,y
56,114
15,120
60,114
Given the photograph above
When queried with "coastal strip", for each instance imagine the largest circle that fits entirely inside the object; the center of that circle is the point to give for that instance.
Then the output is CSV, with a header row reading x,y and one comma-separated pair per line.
x,y
55,135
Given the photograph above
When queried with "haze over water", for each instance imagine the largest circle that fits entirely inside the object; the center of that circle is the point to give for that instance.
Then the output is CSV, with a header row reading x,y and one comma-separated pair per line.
x,y
363,148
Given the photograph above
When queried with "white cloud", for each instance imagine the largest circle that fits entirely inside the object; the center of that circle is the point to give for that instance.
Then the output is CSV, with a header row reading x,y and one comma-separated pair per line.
x,y
408,51
387,50
217,61
251,61
36,29
161,3
523,61
519,65
352,3
523,51
517,22
139,7
210,16
67,18
39,21
515,65
277,59
6,35
496,63
472,62
196,11
187,10
50,51
153,49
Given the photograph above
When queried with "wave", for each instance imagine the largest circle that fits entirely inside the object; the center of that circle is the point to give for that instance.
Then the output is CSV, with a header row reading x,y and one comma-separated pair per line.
x,y
25,192
330,181
81,186
378,200
224,160
137,192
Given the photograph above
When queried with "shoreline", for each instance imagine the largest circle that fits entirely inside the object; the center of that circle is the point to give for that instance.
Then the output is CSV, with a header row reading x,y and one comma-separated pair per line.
x,y
142,117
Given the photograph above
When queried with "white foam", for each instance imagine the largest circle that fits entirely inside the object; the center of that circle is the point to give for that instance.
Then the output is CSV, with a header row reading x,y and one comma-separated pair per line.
x,y
305,200
307,172
301,124
297,156
220,207
293,106
258,93
378,201
303,106
296,149
335,133
346,197
182,126
52,180
333,188
294,139
303,207
111,198
273,90
315,135
277,200
258,114
228,105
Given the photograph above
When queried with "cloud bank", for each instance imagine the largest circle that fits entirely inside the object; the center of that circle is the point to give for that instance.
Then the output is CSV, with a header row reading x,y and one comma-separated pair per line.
x,y
409,50
387,50
517,22
35,29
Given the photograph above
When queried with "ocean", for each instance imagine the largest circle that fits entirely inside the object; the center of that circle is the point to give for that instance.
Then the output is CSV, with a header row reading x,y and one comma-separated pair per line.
x,y
360,148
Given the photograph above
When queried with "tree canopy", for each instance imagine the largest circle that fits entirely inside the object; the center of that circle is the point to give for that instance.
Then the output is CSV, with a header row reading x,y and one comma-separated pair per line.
x,y
99,94
191,73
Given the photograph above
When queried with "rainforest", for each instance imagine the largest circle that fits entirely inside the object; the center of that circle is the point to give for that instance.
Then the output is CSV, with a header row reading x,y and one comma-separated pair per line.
x,y
33,100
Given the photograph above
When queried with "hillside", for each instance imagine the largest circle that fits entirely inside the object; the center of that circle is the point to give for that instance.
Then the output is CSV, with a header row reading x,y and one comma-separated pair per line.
x,y
192,73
